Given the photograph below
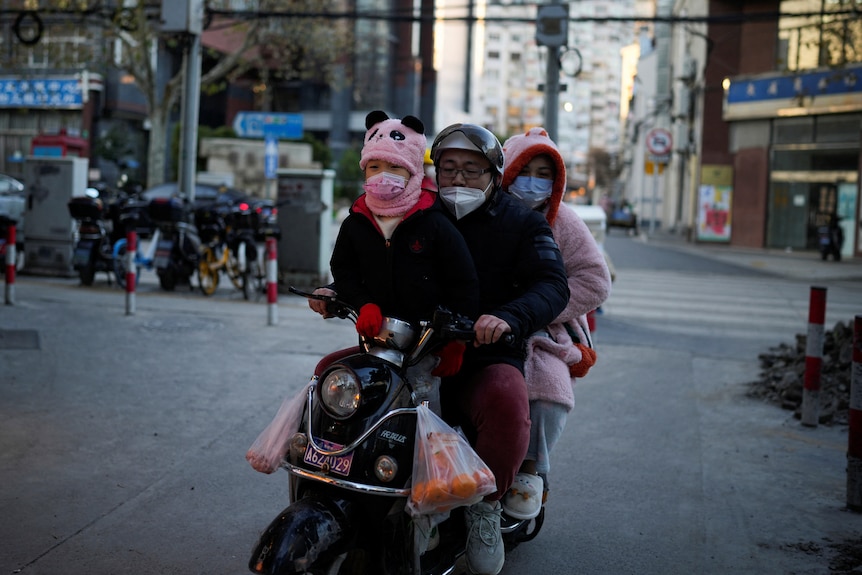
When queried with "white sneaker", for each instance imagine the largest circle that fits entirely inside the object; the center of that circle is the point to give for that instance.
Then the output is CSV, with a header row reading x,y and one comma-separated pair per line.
x,y
485,553
523,500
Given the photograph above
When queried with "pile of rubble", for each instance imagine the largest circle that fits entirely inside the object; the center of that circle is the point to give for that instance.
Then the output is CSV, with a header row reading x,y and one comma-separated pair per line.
x,y
782,375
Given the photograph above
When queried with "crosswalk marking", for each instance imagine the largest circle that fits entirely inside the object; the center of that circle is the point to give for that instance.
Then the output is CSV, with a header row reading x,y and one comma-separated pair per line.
x,y
730,306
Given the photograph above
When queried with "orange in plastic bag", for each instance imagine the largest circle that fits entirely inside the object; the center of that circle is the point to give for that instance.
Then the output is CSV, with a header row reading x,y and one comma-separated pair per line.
x,y
447,472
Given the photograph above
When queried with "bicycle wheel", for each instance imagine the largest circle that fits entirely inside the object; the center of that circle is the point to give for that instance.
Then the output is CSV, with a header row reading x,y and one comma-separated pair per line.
x,y
257,274
120,267
207,273
238,273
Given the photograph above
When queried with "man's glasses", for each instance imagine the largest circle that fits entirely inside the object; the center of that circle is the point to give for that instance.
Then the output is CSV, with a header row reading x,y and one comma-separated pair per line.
x,y
468,173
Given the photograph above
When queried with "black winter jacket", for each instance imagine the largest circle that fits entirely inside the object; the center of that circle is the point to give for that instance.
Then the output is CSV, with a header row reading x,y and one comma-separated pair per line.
x,y
426,263
522,277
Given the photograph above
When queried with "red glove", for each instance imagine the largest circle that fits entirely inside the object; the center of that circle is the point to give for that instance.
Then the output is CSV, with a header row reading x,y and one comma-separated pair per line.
x,y
451,357
588,360
370,320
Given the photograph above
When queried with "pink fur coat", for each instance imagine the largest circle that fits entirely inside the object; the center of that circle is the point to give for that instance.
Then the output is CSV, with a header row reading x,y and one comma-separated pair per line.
x,y
546,369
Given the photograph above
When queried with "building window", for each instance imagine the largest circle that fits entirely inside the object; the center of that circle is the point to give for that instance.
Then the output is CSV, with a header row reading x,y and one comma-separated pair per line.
x,y
829,33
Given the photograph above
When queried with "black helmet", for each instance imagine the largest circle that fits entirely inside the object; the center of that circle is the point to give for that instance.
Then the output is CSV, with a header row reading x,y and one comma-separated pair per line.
x,y
469,137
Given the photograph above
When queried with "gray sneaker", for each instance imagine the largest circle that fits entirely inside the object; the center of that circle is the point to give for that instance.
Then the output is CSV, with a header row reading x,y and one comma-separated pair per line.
x,y
485,554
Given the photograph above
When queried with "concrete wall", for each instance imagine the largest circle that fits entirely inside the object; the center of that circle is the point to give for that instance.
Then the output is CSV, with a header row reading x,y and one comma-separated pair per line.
x,y
245,160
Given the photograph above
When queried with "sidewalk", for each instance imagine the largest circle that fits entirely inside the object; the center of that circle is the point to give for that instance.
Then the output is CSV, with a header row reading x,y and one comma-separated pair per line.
x,y
804,265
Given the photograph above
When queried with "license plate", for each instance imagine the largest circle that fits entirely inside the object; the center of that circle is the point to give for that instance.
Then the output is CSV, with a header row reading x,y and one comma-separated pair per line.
x,y
163,254
82,254
339,464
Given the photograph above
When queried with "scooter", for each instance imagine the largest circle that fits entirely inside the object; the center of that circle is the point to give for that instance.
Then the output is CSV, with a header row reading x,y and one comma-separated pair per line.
x,y
93,250
178,244
350,463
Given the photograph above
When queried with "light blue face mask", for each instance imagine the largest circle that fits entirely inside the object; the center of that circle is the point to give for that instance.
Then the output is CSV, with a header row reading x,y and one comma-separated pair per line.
x,y
532,191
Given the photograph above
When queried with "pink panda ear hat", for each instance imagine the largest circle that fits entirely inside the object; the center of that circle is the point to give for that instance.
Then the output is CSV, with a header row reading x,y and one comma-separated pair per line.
x,y
520,149
401,142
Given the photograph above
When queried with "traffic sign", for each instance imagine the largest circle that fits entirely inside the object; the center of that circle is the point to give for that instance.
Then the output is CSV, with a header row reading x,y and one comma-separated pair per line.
x,y
552,25
270,157
659,142
260,124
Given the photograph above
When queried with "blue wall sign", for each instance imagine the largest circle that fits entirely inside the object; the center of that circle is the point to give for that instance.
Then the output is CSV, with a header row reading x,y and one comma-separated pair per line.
x,y
770,95
40,93
260,124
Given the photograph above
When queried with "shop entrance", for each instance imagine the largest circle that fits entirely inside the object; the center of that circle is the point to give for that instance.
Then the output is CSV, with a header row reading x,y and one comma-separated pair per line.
x,y
798,208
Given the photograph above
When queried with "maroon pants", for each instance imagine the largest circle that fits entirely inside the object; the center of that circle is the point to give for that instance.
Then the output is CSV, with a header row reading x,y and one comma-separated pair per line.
x,y
495,402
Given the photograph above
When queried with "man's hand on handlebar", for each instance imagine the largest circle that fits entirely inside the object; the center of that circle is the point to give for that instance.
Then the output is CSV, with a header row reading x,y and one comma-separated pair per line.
x,y
489,329
319,305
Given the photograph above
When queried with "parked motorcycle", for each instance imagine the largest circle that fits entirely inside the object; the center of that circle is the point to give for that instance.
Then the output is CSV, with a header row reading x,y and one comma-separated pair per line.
x,y
178,247
350,464
95,237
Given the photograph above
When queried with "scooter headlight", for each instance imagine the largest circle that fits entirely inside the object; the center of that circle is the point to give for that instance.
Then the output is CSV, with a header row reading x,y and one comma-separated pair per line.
x,y
340,393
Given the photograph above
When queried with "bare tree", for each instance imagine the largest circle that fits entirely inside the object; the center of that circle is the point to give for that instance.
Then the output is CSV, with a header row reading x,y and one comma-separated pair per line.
x,y
272,40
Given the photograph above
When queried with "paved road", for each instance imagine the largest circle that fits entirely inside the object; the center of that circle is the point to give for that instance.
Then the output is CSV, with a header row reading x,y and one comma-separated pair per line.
x,y
122,437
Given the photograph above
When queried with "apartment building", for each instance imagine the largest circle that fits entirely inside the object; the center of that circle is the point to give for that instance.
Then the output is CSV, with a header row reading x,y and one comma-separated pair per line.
x,y
495,74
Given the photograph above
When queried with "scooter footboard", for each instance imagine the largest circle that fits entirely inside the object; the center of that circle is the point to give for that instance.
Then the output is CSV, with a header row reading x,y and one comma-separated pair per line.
x,y
307,535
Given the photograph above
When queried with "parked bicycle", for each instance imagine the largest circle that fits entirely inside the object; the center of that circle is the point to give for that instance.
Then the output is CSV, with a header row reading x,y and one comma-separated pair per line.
x,y
263,221
227,245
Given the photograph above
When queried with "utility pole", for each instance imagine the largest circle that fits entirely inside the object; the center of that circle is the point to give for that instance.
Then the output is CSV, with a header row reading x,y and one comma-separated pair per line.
x,y
187,17
552,30
190,114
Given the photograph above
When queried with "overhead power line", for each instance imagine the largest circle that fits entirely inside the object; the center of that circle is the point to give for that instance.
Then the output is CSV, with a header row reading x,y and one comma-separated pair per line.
x,y
394,16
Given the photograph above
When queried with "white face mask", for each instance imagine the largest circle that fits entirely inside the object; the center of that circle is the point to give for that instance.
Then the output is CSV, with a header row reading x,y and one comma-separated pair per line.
x,y
533,192
461,201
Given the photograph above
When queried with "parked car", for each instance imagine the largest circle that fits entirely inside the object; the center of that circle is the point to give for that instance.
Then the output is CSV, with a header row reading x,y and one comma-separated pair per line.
x,y
13,202
597,221
13,199
205,194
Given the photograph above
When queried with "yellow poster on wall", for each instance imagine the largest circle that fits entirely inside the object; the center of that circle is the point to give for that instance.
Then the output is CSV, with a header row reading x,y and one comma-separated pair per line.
x,y
714,203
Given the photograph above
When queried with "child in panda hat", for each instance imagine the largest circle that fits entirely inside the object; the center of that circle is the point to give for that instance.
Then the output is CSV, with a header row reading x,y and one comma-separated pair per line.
x,y
397,254
535,173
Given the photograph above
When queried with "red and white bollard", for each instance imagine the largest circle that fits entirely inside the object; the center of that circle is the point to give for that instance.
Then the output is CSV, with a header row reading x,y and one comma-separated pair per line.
x,y
10,265
131,280
271,281
854,448
813,357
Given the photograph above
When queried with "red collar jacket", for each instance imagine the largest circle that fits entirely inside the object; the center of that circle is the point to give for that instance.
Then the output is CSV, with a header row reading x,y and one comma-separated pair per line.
x,y
425,264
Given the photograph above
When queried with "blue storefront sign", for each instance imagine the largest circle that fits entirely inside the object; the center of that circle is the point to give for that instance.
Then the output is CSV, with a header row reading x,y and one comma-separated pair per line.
x,y
41,93
836,90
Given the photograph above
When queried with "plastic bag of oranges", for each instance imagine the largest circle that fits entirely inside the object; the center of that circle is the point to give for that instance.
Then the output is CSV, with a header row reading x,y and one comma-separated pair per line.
x,y
447,472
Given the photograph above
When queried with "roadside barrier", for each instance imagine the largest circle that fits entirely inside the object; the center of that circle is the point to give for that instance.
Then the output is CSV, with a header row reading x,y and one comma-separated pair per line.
x,y
813,357
854,448
10,264
272,281
131,249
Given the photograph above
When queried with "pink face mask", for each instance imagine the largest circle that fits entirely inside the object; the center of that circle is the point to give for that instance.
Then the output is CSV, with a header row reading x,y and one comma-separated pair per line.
x,y
384,186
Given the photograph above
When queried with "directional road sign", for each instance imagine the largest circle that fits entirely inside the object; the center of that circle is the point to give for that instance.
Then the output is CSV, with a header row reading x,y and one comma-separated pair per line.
x,y
260,124
270,158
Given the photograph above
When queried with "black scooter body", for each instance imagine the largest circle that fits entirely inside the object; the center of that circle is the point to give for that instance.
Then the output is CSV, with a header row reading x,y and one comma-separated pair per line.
x,y
348,521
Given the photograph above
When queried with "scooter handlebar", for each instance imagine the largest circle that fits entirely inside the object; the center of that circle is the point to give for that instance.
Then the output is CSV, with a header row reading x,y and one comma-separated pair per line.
x,y
334,306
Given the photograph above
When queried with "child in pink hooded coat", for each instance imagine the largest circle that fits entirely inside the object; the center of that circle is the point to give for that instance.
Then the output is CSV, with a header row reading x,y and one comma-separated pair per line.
x,y
536,174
